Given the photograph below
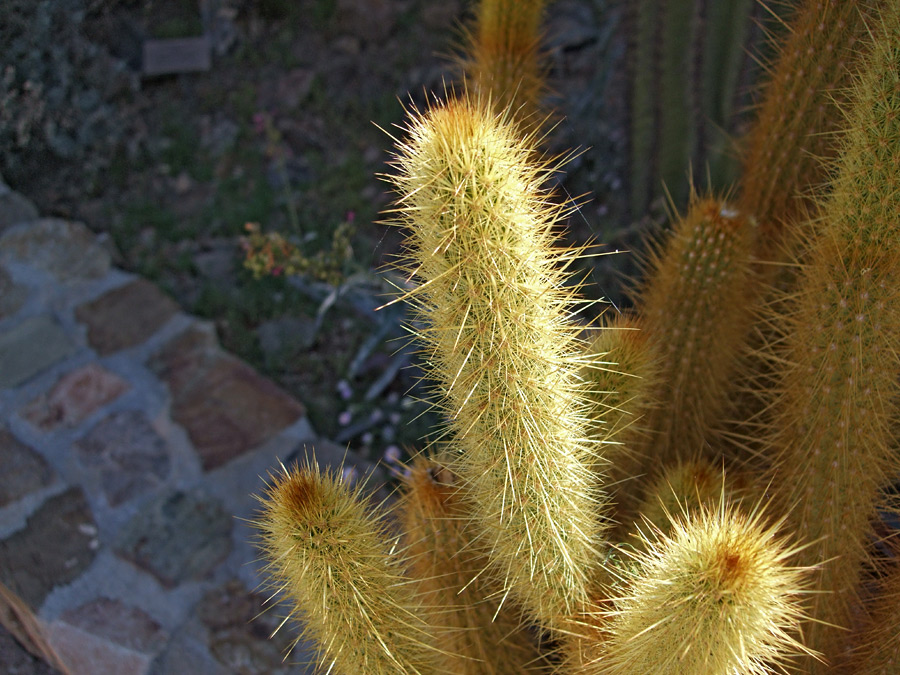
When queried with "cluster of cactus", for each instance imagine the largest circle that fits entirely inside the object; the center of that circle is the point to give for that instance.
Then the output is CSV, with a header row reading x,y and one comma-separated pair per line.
x,y
694,486
689,64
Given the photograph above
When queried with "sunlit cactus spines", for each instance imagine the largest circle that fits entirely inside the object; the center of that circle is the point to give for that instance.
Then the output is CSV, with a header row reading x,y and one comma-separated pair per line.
x,y
331,557
501,347
699,484
716,595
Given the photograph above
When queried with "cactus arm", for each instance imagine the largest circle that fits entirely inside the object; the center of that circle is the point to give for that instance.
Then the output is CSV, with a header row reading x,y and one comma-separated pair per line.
x,y
330,556
787,148
696,308
715,596
502,350
834,436
502,58
478,636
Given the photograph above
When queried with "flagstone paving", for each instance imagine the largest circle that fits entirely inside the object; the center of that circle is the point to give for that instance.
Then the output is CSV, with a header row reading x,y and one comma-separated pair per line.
x,y
130,447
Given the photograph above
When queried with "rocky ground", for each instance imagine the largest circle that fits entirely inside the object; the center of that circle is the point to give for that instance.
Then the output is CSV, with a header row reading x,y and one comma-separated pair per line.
x,y
288,127
285,129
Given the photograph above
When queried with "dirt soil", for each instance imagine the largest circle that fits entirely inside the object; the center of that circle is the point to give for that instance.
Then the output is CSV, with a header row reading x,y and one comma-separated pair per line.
x,y
289,128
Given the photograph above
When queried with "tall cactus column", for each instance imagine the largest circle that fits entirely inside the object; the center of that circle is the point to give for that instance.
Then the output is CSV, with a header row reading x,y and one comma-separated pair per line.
x,y
502,350
697,307
833,437
799,116
502,59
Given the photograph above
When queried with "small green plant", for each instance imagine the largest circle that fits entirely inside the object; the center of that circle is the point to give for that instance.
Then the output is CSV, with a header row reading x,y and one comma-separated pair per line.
x,y
269,253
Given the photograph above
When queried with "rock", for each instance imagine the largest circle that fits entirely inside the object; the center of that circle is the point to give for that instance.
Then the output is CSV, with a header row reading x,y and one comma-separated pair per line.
x,y
217,260
187,652
63,248
12,295
226,407
106,636
177,537
14,208
130,456
283,339
24,470
30,347
57,544
176,55
112,619
125,316
74,397
242,637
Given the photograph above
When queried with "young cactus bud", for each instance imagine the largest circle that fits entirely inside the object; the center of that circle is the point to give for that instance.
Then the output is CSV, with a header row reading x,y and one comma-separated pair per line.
x,y
696,309
477,636
715,596
833,435
685,487
502,349
331,559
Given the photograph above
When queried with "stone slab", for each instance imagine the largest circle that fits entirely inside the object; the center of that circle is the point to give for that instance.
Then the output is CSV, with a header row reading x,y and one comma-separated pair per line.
x,y
126,316
23,470
187,652
177,55
131,458
12,295
15,209
118,622
226,407
106,636
66,249
57,544
241,633
85,654
177,537
74,397
30,347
